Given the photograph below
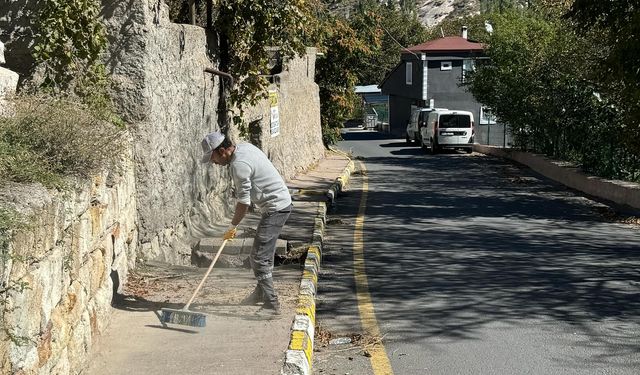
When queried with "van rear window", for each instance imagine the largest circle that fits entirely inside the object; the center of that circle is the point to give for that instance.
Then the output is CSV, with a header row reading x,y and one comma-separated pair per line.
x,y
454,121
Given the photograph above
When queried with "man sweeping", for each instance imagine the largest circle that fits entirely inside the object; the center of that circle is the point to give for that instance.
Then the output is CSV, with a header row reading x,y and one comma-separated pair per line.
x,y
256,181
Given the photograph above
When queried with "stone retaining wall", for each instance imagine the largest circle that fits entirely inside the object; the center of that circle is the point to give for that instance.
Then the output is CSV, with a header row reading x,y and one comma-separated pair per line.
x,y
299,144
59,274
161,87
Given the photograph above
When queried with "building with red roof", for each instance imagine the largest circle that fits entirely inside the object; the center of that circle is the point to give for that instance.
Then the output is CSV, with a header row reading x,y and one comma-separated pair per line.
x,y
431,74
448,44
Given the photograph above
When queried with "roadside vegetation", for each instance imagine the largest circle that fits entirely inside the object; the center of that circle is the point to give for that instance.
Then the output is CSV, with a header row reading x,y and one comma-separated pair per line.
x,y
355,49
361,50
49,138
565,77
62,123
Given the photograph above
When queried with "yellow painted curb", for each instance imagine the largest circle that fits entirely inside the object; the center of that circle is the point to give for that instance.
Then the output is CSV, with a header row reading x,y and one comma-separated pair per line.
x,y
299,356
300,340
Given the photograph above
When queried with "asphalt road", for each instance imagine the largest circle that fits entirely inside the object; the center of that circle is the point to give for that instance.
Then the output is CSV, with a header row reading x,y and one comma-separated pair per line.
x,y
476,266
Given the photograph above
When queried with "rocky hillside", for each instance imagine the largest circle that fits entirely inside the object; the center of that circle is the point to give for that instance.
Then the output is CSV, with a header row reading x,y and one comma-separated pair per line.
x,y
432,12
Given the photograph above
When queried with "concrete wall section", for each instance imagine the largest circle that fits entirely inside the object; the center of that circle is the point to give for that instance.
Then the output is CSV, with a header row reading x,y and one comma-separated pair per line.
x,y
443,88
126,25
299,143
172,181
161,88
399,114
620,192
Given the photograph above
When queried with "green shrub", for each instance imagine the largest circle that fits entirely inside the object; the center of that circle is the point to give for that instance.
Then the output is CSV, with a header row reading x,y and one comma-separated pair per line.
x,y
538,81
9,220
49,138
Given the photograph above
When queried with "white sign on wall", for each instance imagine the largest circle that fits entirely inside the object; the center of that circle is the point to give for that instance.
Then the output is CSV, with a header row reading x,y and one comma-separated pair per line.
x,y
275,114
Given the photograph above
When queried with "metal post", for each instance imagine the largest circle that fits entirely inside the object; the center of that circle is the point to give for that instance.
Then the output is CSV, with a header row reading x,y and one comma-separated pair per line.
x,y
504,135
223,74
192,11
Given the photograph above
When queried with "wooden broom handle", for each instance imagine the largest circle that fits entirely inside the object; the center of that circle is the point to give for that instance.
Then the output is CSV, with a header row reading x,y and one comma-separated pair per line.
x,y
186,307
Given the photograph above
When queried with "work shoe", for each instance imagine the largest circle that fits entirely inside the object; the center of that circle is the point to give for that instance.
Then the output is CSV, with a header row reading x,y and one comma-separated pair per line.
x,y
254,298
272,308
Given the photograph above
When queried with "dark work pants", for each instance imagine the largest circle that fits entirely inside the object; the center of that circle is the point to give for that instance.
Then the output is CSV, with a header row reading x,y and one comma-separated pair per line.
x,y
264,249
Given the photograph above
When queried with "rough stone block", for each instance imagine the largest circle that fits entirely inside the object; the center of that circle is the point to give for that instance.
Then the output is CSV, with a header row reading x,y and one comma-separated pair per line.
x,y
8,84
238,246
296,363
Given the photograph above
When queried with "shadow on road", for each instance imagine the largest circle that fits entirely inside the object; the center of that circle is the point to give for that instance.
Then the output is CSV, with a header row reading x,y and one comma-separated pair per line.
x,y
365,135
451,247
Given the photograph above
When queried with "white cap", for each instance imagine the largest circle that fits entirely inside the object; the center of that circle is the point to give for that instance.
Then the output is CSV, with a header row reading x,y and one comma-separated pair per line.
x,y
210,143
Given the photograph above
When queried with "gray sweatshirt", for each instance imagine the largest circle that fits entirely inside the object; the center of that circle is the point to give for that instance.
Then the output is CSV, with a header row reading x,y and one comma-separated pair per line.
x,y
257,180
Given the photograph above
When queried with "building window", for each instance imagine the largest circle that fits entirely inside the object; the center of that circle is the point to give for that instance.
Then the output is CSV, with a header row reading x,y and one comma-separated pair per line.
x,y
409,73
445,65
467,66
486,116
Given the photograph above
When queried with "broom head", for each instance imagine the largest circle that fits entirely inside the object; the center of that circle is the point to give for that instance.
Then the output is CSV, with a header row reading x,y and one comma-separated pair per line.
x,y
183,317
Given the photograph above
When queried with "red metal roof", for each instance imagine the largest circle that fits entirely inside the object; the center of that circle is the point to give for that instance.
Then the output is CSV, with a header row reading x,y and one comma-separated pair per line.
x,y
448,43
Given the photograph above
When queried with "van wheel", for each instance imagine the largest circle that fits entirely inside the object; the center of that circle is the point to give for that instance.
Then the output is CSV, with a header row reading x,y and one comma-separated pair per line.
x,y
433,148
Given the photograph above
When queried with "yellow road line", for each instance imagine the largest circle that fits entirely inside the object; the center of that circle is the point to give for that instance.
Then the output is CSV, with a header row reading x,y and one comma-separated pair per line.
x,y
379,359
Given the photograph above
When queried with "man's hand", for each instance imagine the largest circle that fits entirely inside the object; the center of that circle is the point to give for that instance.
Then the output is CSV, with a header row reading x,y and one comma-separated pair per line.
x,y
230,233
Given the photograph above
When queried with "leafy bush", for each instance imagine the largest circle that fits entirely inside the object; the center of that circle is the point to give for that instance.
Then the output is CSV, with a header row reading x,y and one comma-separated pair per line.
x,y
539,81
360,50
70,41
50,138
9,220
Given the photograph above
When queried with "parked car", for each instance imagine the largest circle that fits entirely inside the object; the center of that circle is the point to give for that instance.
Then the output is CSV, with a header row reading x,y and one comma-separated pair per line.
x,y
418,120
449,129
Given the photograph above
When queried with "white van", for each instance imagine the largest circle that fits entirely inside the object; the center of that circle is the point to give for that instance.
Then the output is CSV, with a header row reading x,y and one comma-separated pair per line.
x,y
418,120
448,129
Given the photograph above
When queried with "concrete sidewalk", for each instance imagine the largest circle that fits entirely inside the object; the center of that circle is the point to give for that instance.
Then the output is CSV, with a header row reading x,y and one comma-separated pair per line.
x,y
236,340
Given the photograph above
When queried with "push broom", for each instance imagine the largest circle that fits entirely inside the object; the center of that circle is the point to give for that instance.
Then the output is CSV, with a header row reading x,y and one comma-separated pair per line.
x,y
184,316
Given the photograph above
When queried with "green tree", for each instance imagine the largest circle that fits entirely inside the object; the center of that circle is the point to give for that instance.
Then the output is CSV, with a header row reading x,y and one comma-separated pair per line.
x,y
69,42
618,67
537,81
247,29
360,50
388,29
337,74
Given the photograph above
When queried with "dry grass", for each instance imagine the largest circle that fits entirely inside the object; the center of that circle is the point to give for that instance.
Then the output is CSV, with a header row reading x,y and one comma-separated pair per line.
x,y
363,342
608,214
49,138
322,336
335,222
